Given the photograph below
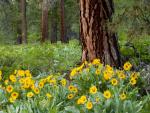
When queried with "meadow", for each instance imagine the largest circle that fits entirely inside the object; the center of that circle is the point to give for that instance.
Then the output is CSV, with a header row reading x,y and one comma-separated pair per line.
x,y
49,78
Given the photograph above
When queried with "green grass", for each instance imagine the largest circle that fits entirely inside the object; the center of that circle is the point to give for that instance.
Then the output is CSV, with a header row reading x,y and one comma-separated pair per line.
x,y
59,57
40,58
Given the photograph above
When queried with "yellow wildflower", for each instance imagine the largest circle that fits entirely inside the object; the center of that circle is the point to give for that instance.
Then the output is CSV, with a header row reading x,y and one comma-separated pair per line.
x,y
122,76
14,95
21,80
96,62
27,85
132,81
134,75
107,75
49,78
107,94
36,90
75,90
30,94
41,85
82,100
109,69
123,96
20,73
71,88
9,88
70,96
127,66
53,81
63,82
12,78
80,67
114,82
11,100
73,72
93,90
27,73
97,72
48,95
89,105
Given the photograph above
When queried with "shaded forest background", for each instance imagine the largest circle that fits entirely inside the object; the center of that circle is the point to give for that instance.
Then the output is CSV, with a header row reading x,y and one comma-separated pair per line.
x,y
131,21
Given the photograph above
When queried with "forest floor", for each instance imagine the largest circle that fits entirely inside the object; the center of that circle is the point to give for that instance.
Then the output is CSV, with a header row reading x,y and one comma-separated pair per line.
x,y
58,59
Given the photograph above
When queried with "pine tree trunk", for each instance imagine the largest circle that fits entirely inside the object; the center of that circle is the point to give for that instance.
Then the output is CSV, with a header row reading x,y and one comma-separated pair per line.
x,y
19,36
44,23
53,26
24,21
63,28
97,41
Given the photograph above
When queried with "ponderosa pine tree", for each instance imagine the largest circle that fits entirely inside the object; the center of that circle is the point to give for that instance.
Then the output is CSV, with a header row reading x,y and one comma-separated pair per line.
x,y
44,21
97,41
24,21
63,28
54,28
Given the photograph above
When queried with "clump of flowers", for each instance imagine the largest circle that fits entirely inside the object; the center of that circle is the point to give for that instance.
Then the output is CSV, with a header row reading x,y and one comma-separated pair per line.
x,y
21,84
93,87
99,84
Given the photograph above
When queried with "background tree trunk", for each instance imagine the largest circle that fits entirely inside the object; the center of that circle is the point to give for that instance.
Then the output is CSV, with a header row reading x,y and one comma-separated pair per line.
x,y
19,36
97,41
54,25
24,21
63,28
44,23
19,21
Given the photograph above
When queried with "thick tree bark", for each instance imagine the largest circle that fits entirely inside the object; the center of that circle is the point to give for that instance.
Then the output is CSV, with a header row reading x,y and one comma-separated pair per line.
x,y
24,21
97,41
44,21
63,28
53,26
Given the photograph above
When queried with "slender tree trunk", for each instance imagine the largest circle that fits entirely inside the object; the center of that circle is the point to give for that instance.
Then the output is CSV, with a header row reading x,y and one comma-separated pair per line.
x,y
97,41
53,26
44,21
24,21
19,31
19,36
63,28
19,23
